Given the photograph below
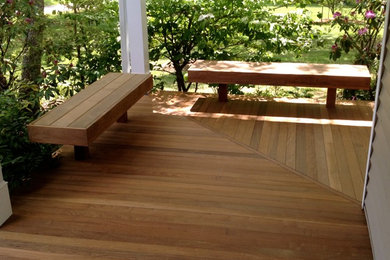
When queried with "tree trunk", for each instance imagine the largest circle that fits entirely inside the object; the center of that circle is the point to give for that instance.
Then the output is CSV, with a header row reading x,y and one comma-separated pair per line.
x,y
181,85
3,82
31,67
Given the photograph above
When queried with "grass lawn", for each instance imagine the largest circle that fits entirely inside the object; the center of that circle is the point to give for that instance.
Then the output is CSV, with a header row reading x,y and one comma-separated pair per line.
x,y
51,2
313,11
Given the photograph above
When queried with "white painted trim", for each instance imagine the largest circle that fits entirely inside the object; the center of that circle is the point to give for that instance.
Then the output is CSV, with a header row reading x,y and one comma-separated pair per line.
x,y
5,202
378,87
134,36
125,49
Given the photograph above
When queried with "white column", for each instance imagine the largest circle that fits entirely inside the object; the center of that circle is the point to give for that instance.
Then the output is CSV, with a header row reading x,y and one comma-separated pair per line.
x,y
5,202
134,36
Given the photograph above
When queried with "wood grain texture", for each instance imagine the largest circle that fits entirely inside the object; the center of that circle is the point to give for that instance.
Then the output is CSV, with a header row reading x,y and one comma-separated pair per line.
x,y
281,74
328,145
81,119
331,97
168,188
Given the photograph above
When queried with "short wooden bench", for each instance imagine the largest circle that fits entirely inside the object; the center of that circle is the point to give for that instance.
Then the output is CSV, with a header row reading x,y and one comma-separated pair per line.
x,y
331,76
82,118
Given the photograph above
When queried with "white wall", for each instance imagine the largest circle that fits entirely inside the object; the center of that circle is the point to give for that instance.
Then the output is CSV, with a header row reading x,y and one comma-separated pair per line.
x,y
377,196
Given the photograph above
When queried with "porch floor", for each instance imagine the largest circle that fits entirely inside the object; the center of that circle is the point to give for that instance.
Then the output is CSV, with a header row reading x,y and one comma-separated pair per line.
x,y
329,146
164,187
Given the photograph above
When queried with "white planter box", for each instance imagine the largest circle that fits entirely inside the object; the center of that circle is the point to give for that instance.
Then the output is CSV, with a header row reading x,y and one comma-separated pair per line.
x,y
5,202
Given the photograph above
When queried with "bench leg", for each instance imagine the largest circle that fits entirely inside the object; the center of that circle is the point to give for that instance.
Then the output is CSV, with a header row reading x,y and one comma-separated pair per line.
x,y
123,118
81,153
222,93
331,98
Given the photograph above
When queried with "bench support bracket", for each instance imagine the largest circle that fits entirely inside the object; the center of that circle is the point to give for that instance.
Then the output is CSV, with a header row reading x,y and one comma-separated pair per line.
x,y
331,98
222,92
81,153
123,118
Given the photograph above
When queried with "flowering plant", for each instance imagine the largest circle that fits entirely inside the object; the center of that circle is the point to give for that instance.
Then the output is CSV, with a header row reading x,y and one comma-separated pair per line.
x,y
360,31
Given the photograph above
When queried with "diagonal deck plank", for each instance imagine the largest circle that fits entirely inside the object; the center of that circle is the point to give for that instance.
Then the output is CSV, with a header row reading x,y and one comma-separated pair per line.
x,y
163,187
328,145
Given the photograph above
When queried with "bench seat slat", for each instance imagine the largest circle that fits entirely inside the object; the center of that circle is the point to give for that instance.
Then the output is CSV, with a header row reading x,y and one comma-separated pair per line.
x,y
70,104
93,114
100,108
93,100
280,74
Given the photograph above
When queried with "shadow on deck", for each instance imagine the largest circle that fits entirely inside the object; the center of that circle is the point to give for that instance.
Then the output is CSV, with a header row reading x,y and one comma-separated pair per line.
x,y
164,187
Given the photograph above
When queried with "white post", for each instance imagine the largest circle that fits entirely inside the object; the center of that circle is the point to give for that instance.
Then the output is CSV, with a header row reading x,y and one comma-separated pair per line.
x,y
134,36
5,202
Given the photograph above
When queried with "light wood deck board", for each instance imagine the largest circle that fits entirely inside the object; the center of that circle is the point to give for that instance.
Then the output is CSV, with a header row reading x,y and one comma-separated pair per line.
x,y
332,154
69,105
91,101
81,119
163,187
280,74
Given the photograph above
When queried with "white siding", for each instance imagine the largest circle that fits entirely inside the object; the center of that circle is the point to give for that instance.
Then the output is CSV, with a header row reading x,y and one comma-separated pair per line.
x,y
377,199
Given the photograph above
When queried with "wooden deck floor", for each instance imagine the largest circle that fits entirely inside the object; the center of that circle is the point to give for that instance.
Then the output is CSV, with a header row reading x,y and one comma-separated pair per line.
x,y
327,145
164,187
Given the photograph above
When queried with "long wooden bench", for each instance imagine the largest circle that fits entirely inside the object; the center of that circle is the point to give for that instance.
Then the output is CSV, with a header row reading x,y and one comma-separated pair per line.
x,y
82,118
331,76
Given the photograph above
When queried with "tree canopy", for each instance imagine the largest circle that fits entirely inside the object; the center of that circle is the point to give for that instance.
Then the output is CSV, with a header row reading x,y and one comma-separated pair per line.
x,y
185,30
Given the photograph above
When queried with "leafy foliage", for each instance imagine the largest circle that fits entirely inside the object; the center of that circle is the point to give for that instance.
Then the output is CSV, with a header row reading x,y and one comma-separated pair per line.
x,y
361,31
82,45
16,20
18,156
183,31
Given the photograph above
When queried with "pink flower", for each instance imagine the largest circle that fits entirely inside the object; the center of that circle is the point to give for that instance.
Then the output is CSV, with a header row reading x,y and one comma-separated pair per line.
x,y
370,14
334,47
10,1
55,62
353,13
28,20
31,2
336,14
357,1
362,31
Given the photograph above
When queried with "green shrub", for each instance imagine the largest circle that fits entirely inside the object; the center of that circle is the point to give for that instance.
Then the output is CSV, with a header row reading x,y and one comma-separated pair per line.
x,y
18,156
183,31
82,45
